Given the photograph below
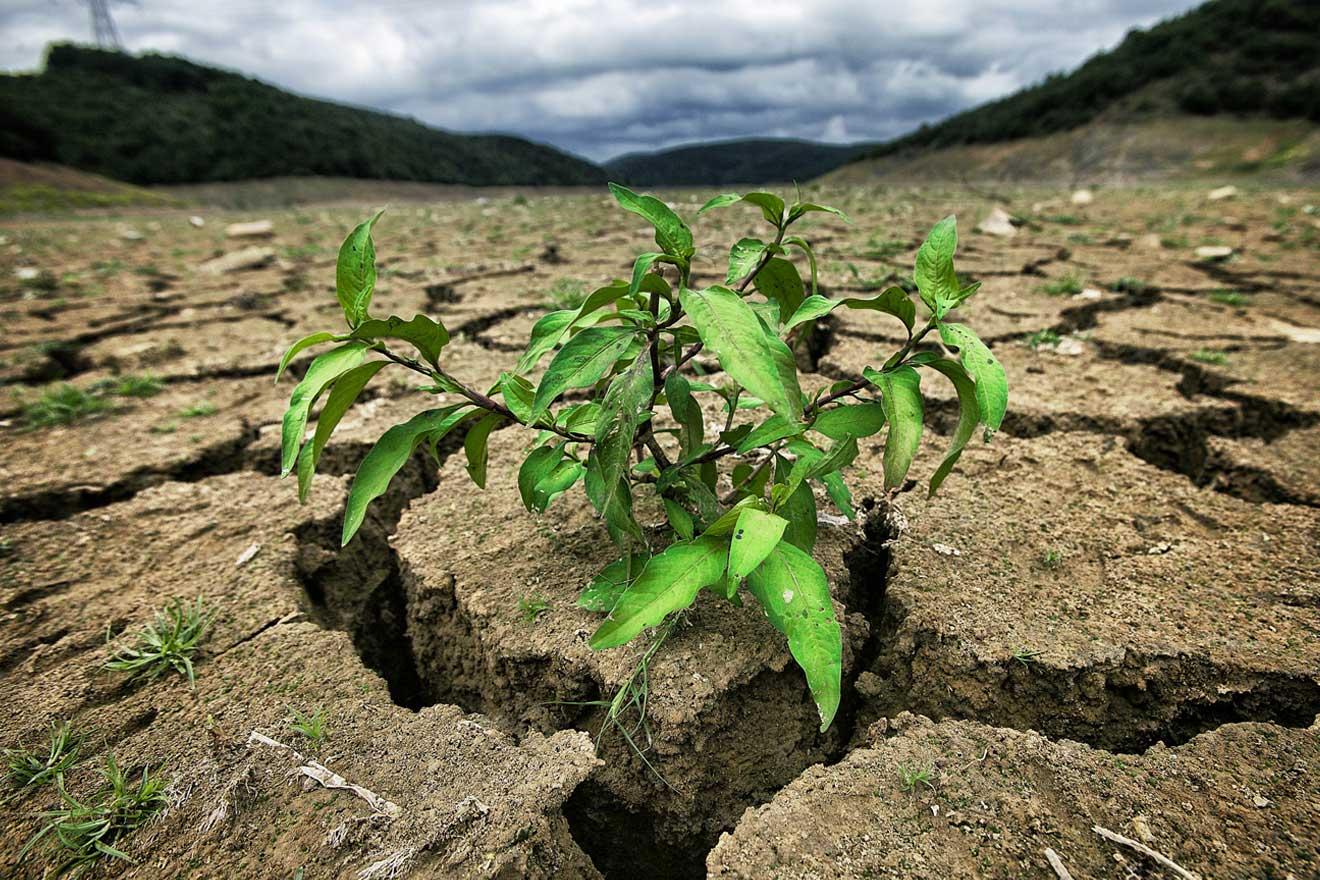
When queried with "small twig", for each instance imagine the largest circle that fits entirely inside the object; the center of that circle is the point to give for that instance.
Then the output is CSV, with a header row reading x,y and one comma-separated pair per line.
x,y
1146,851
1057,864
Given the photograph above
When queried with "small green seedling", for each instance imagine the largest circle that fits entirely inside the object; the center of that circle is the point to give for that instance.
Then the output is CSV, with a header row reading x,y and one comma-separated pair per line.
x,y
1066,285
167,643
64,405
1051,559
198,410
1026,657
532,607
1230,298
312,726
85,832
1046,337
567,293
135,386
911,777
27,767
738,492
1209,356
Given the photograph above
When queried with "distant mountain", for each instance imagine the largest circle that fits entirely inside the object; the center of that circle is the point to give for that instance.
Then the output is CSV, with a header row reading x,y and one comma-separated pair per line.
x,y
724,162
1239,57
155,119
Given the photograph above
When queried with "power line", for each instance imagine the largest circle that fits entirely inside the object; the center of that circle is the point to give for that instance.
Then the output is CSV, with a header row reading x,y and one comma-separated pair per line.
x,y
103,26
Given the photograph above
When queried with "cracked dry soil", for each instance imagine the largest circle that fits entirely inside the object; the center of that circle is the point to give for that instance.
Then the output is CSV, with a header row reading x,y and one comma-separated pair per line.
x,y
1110,615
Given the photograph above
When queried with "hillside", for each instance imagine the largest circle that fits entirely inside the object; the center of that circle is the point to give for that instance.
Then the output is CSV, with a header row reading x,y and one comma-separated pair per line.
x,y
726,162
1251,58
156,119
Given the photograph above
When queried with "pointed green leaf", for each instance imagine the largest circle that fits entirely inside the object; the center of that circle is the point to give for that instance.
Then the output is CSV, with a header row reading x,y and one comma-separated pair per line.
x,y
546,334
641,266
744,257
671,233
669,582
719,201
780,282
679,519
852,419
300,345
474,446
538,465
355,272
582,361
686,412
754,536
345,390
800,511
424,334
807,207
988,373
746,351
325,369
934,275
603,593
812,307
969,415
518,394
795,594
839,494
772,430
391,453
624,407
901,390
893,301
771,205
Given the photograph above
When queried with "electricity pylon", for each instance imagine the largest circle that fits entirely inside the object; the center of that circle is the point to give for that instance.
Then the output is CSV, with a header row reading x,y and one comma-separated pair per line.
x,y
103,26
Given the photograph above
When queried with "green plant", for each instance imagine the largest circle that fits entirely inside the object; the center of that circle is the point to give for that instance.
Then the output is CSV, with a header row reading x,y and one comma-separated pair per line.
x,y
1128,284
911,777
135,386
532,607
1025,656
28,767
1209,356
1046,337
1066,285
642,427
1230,298
87,831
1051,558
567,293
312,726
63,405
198,410
167,643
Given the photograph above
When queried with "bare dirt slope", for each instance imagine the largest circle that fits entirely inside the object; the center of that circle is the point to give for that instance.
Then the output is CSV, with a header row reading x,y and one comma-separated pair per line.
x,y
1109,616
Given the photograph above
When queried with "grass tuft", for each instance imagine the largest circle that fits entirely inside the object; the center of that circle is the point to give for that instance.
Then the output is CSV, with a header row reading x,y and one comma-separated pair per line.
x,y
26,767
64,405
167,643
311,725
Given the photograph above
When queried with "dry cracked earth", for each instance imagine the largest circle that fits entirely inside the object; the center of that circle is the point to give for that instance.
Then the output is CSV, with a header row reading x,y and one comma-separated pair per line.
x,y
1110,616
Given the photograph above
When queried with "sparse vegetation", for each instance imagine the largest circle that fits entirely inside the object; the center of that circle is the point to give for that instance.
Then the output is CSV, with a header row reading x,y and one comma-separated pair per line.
x,y
1230,298
198,410
567,293
1046,337
167,643
1065,285
85,832
25,767
911,777
1209,356
63,405
311,725
532,607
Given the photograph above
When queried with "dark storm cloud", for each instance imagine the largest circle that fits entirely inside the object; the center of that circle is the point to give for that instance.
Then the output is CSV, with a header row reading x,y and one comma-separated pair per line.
x,y
611,76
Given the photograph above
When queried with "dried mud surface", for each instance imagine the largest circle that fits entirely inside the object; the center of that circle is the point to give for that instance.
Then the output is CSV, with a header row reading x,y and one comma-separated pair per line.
x,y
1109,616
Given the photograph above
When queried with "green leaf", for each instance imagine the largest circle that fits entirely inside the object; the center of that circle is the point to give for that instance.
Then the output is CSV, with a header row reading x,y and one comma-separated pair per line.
x,y
934,275
546,334
754,536
679,519
624,407
538,465
474,446
325,369
771,205
345,390
391,453
988,373
355,272
643,265
425,335
518,394
603,593
800,511
669,582
853,419
901,390
812,307
772,430
780,282
893,301
719,201
557,482
801,243
671,233
686,412
744,257
841,454
795,594
807,207
839,494
969,415
305,342
745,349
582,361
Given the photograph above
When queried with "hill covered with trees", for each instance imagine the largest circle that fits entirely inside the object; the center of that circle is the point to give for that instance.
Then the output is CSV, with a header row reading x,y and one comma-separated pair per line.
x,y
156,119
1240,57
724,162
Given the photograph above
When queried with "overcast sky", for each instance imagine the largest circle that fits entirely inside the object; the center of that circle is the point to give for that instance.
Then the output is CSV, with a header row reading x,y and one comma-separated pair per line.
x,y
603,77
